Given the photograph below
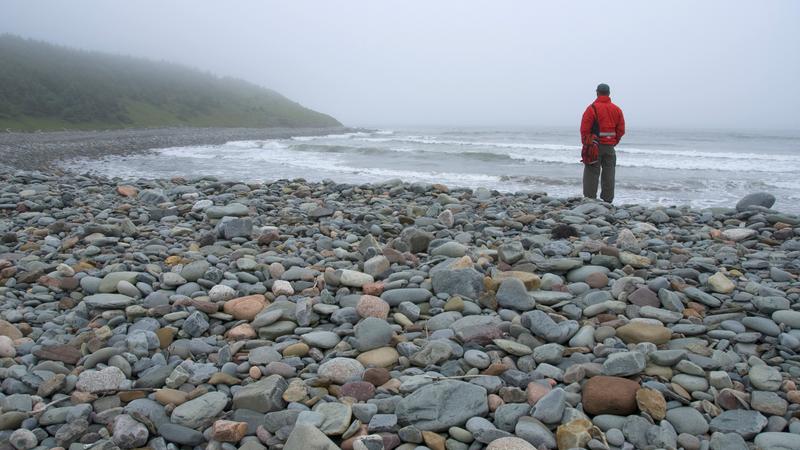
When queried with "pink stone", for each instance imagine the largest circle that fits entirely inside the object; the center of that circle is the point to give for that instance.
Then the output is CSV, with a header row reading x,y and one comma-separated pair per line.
x,y
495,402
245,308
375,288
371,306
243,331
536,391
359,390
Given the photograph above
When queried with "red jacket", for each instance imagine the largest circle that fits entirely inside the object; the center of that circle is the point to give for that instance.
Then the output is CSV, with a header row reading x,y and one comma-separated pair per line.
x,y
612,124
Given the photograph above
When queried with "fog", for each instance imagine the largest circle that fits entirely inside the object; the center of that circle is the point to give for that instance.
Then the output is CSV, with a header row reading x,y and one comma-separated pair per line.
x,y
711,64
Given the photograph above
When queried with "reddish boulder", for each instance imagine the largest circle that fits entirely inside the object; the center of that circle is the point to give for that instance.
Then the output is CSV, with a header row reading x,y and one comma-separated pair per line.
x,y
609,395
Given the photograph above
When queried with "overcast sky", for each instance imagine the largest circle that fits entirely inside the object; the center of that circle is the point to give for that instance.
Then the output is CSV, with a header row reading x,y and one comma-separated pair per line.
x,y
699,64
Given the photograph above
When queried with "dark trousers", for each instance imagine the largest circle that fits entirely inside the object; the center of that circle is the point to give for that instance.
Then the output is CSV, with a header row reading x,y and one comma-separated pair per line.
x,y
602,171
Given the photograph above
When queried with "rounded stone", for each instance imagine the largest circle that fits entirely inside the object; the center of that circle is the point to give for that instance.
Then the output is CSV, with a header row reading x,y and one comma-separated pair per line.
x,y
359,390
764,199
296,349
372,333
510,443
637,332
686,419
245,308
787,317
377,376
652,402
93,381
609,395
380,357
23,439
765,378
597,280
221,293
321,339
7,349
340,370
371,306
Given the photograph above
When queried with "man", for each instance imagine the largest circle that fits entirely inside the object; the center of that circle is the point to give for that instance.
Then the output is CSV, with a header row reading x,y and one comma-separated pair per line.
x,y
611,129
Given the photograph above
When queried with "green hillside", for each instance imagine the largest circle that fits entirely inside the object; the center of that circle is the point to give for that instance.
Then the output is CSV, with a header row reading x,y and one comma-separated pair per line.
x,y
48,87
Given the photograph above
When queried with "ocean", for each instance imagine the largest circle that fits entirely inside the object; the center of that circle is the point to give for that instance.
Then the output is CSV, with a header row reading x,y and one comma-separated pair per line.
x,y
654,167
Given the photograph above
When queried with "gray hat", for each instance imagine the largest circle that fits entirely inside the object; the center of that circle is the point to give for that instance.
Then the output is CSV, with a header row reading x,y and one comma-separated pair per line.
x,y
603,89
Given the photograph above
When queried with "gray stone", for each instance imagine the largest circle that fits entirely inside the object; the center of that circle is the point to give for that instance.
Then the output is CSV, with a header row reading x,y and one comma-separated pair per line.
x,y
727,441
194,270
550,408
376,265
443,320
230,227
372,333
762,325
789,318
690,383
581,273
108,301
395,297
449,277
768,403
233,210
765,378
200,411
179,434
336,417
777,441
434,352
262,396
23,439
636,430
383,423
196,324
667,357
308,437
764,199
542,325
511,252
550,298
275,420
128,433
744,422
513,294
152,196
93,381
438,406
109,282
535,433
548,353
687,420
507,415
623,364
145,407
261,356
770,304
477,358
615,437
450,249
321,339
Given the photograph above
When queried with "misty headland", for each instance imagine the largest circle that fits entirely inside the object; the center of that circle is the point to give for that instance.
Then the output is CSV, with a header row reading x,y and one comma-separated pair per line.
x,y
197,262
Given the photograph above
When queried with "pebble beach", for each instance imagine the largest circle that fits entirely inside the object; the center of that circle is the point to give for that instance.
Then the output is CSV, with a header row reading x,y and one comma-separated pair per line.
x,y
200,313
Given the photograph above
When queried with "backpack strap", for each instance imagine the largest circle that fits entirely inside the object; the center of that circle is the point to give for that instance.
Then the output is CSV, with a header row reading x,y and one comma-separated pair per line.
x,y
596,124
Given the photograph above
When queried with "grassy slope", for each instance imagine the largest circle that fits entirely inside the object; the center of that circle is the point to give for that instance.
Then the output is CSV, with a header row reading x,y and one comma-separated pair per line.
x,y
46,87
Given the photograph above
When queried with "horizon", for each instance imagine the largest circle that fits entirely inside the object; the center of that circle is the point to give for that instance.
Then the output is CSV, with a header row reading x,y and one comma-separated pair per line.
x,y
466,64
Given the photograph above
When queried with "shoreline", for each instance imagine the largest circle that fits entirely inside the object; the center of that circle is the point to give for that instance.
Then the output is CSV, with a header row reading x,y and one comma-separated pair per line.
x,y
32,151
326,315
